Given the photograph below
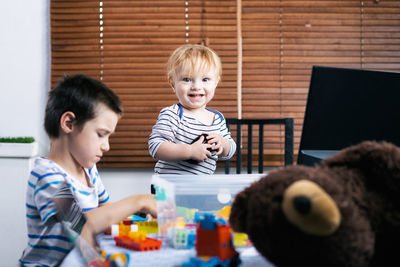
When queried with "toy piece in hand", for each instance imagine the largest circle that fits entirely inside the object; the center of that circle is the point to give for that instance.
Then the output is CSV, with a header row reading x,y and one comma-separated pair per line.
x,y
204,142
343,212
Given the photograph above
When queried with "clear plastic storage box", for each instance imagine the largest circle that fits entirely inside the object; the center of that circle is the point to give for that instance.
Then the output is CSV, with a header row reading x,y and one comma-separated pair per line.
x,y
179,197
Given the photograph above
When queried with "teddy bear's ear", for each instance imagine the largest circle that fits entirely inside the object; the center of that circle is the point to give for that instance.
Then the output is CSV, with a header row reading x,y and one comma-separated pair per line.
x,y
237,217
369,156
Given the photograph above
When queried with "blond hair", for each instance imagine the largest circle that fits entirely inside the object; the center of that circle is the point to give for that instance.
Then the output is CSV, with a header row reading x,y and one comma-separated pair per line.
x,y
192,54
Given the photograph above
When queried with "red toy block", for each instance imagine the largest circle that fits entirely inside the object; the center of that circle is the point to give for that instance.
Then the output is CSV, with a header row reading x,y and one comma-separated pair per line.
x,y
108,231
145,245
127,222
215,242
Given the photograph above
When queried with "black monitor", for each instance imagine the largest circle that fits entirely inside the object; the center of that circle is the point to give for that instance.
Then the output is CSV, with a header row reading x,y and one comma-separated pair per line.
x,y
346,107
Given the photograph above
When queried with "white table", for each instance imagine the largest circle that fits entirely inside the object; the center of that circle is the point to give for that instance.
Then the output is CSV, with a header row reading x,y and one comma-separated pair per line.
x,y
165,257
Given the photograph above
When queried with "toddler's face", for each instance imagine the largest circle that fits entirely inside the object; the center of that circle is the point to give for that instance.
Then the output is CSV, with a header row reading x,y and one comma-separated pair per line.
x,y
195,87
89,143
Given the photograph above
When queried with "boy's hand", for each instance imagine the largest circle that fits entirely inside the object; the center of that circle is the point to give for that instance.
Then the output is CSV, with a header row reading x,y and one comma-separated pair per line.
x,y
148,205
218,143
199,151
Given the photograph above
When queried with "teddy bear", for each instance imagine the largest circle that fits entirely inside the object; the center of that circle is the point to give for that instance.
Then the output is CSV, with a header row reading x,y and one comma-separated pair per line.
x,y
342,212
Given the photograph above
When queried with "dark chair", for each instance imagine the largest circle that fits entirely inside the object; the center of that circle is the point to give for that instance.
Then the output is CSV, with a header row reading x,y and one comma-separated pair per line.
x,y
289,143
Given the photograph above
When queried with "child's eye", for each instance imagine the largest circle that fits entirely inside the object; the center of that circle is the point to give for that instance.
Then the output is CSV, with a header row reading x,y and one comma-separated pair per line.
x,y
100,134
206,79
186,79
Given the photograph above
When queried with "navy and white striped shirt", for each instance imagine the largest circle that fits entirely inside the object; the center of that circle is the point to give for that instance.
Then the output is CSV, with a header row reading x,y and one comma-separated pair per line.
x,y
174,125
48,241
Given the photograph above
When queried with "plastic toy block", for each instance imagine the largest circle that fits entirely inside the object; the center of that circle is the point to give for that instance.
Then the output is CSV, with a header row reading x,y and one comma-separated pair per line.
x,y
211,262
183,237
180,238
160,193
208,220
214,238
126,222
145,245
216,242
241,240
199,262
180,222
124,229
108,231
208,223
186,213
137,236
136,218
96,263
115,259
221,221
224,213
149,227
191,240
121,229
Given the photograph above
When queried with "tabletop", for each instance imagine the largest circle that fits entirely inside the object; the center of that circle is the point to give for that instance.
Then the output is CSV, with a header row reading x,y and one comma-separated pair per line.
x,y
167,256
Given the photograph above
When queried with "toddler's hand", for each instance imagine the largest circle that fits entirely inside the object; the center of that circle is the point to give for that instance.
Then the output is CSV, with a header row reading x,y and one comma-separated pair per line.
x,y
199,150
217,142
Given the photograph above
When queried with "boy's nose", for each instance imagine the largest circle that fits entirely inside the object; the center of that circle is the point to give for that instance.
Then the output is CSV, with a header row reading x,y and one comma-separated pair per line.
x,y
195,85
105,146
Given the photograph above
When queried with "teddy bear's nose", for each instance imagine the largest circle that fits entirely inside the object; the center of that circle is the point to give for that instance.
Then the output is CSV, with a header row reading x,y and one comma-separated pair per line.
x,y
302,204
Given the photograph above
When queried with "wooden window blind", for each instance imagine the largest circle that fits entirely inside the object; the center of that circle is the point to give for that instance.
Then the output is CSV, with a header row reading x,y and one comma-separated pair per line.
x,y
126,44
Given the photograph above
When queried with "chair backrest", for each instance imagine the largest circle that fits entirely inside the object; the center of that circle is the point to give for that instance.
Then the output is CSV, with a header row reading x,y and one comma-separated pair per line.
x,y
289,143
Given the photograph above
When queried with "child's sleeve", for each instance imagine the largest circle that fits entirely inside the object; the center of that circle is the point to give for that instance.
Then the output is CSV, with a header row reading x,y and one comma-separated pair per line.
x,y
44,191
164,130
102,195
226,134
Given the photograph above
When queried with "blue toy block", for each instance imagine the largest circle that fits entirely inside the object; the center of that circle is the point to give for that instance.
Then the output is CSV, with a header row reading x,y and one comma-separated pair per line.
x,y
208,222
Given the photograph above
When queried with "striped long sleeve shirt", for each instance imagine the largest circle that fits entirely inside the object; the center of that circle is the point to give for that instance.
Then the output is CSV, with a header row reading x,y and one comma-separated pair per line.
x,y
174,125
48,241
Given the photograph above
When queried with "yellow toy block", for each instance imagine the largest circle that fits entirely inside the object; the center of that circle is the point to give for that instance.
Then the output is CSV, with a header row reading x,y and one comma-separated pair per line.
x,y
240,240
149,227
224,213
137,236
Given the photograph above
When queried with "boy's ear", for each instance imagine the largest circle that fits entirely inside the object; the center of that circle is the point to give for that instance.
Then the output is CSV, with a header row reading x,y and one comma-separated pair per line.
x,y
171,83
67,121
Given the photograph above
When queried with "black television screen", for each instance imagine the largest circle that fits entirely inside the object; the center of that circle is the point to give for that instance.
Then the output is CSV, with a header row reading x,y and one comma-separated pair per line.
x,y
348,106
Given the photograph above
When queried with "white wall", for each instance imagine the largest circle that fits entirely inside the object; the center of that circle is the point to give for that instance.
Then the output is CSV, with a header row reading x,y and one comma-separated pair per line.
x,y
13,232
121,183
24,67
24,83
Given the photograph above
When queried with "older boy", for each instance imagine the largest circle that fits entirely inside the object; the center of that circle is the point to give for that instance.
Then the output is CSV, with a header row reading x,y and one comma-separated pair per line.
x,y
81,114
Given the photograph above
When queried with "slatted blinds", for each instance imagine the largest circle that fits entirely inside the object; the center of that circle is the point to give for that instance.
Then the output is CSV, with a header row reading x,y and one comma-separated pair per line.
x,y
126,44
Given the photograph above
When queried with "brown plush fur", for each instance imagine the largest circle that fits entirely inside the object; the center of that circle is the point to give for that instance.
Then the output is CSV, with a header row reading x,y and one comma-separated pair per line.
x,y
363,180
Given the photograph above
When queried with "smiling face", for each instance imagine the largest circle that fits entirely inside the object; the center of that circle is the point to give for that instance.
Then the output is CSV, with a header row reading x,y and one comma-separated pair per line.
x,y
194,85
87,144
